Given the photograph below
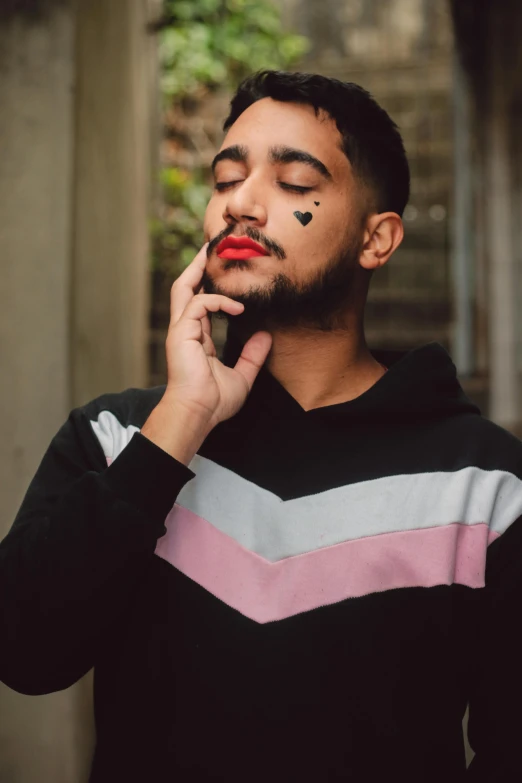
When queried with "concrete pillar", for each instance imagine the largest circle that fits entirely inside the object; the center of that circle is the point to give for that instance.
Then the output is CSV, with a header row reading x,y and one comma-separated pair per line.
x,y
36,122
36,99
78,87
110,280
462,251
504,387
503,320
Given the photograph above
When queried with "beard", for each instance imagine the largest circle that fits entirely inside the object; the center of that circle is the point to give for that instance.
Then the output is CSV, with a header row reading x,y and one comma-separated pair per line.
x,y
319,303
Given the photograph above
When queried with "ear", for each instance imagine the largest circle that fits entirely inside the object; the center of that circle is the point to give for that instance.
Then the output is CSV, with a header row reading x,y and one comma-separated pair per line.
x,y
382,236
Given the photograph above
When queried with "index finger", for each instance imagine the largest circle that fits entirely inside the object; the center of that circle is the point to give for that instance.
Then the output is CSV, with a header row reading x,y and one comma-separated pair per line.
x,y
187,284
193,273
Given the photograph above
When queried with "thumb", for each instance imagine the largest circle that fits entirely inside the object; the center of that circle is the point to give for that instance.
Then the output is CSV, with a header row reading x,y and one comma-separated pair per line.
x,y
253,356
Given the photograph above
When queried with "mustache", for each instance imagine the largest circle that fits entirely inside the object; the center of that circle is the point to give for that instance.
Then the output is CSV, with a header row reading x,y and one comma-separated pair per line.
x,y
252,233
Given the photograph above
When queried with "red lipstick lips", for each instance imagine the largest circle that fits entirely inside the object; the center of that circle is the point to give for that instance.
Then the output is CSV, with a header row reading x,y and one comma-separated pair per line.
x,y
240,248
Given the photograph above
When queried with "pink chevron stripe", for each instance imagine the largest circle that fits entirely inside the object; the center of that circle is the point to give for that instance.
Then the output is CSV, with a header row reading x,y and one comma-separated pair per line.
x,y
265,591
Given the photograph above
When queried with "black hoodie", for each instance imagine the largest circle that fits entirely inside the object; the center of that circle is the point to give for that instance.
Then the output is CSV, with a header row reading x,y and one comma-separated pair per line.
x,y
316,598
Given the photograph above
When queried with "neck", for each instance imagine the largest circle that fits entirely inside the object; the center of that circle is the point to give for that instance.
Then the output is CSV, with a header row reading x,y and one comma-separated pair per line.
x,y
323,368
319,368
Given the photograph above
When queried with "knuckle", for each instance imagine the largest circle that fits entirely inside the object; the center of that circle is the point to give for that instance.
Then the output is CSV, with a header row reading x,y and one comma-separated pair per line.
x,y
205,299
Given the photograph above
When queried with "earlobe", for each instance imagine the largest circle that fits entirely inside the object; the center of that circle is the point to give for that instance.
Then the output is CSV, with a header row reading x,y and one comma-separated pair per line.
x,y
383,235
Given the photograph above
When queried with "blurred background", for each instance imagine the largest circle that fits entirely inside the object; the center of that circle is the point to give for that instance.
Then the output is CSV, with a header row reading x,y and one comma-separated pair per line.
x,y
110,113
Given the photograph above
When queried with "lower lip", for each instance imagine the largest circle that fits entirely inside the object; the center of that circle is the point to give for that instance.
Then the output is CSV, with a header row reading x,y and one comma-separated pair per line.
x,y
240,253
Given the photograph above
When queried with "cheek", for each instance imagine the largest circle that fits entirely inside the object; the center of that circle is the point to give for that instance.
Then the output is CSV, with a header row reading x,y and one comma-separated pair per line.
x,y
310,246
309,230
303,244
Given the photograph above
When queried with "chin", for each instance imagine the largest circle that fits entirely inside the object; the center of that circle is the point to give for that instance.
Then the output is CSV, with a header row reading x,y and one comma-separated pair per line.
x,y
239,279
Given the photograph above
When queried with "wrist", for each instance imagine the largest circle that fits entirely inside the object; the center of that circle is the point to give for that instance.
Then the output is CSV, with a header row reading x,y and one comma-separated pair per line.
x,y
176,430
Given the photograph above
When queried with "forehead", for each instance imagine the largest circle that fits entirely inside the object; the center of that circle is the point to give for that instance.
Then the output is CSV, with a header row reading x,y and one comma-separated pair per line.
x,y
268,123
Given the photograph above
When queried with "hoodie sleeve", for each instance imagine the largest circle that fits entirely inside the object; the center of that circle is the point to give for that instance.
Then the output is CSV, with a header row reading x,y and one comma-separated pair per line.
x,y
495,708
73,559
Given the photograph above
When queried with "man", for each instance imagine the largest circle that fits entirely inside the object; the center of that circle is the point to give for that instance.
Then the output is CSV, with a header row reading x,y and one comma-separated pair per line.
x,y
302,562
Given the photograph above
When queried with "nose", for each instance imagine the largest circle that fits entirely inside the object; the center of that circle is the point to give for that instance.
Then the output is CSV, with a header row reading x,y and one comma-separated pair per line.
x,y
244,205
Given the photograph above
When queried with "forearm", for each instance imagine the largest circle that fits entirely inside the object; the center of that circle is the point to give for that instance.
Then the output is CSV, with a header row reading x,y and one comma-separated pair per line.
x,y
67,575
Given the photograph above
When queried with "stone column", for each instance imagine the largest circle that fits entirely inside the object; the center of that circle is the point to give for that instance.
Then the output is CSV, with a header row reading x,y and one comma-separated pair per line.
x,y
110,279
504,256
36,139
78,80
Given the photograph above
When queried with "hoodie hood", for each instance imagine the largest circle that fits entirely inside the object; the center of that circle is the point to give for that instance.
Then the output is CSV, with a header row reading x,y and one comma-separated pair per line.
x,y
423,382
420,384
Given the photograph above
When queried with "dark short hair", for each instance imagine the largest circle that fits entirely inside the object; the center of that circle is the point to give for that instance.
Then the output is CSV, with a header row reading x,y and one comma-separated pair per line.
x,y
370,139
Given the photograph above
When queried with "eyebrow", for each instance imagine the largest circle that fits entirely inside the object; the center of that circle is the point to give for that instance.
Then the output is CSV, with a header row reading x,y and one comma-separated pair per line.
x,y
239,154
292,155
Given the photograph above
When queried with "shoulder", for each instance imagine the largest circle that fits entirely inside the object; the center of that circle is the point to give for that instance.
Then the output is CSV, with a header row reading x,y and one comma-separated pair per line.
x,y
115,417
492,447
131,407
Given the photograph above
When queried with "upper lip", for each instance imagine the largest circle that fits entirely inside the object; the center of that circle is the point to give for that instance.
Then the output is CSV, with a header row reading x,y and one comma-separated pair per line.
x,y
239,242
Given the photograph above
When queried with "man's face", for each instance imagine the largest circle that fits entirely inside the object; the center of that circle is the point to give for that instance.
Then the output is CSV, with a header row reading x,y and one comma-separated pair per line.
x,y
279,159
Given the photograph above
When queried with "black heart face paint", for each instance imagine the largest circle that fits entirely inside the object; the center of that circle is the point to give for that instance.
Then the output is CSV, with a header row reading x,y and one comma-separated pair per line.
x,y
303,219
317,203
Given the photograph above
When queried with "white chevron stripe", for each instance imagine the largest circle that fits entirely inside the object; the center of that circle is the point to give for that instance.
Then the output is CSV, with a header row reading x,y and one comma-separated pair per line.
x,y
263,523
275,529
113,436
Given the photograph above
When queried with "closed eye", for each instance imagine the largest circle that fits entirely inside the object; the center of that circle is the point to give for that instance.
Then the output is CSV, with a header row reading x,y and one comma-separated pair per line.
x,y
294,188
222,186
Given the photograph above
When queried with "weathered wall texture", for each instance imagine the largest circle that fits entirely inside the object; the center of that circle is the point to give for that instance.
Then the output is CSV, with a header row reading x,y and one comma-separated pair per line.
x,y
488,38
36,96
78,92
110,280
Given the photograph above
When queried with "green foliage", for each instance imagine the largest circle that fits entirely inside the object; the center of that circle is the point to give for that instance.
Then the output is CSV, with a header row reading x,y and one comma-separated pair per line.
x,y
209,45
216,43
181,235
